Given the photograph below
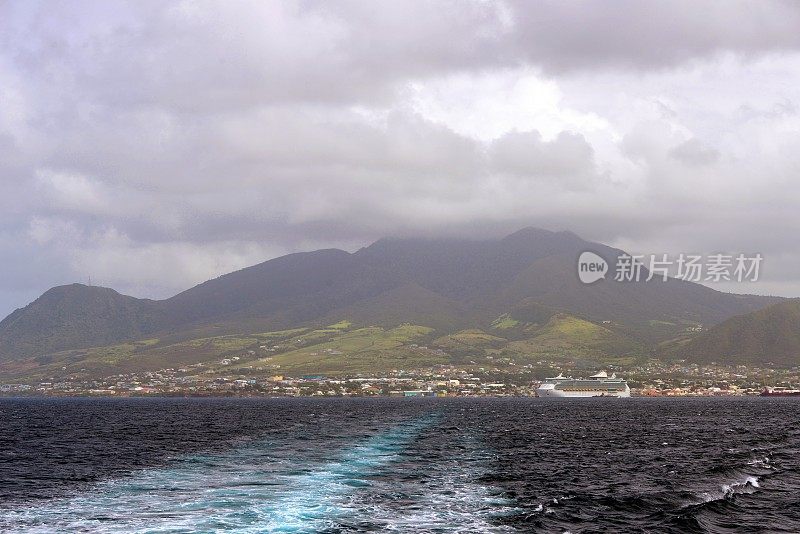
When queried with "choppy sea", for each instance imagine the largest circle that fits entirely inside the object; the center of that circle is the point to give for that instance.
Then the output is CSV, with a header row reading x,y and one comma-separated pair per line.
x,y
400,465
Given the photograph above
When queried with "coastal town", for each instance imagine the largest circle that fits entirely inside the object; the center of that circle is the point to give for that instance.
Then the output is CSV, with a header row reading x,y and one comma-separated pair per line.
x,y
651,379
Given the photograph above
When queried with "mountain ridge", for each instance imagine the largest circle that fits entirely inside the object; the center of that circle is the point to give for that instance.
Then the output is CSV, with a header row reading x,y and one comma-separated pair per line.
x,y
450,284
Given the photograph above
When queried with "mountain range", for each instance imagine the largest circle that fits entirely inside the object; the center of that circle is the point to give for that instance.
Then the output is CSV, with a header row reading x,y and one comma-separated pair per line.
x,y
513,286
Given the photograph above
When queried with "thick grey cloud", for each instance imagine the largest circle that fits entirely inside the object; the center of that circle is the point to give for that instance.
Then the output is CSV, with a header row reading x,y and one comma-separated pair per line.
x,y
647,34
151,145
568,158
694,152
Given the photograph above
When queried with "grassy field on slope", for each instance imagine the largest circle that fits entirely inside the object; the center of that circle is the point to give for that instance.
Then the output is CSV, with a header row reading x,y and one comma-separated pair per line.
x,y
371,349
565,336
144,355
336,349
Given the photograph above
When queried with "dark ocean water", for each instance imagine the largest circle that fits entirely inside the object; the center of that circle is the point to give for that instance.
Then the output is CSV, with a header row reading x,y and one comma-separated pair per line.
x,y
402,465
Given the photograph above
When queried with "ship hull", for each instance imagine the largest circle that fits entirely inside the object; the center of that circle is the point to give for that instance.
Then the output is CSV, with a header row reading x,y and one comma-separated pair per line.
x,y
550,391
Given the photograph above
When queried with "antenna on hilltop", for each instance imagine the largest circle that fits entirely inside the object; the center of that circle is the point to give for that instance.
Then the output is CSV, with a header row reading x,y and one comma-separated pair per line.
x,y
90,280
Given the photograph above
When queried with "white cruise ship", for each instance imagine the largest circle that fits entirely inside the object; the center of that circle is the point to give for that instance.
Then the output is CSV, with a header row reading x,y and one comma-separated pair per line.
x,y
598,385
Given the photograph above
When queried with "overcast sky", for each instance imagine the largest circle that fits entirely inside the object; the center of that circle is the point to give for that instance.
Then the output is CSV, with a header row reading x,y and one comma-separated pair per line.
x,y
152,145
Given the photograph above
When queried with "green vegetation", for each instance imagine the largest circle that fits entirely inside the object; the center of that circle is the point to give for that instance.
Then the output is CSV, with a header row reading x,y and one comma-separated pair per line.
x,y
222,344
504,322
370,349
341,349
566,336
111,355
768,336
470,345
280,333
148,354
473,339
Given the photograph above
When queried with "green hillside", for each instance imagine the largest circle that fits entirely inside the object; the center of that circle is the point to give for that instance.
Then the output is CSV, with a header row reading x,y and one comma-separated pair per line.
x,y
566,336
362,350
771,335
339,348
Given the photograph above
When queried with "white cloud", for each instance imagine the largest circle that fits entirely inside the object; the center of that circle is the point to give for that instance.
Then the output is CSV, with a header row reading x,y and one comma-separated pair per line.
x,y
487,105
73,192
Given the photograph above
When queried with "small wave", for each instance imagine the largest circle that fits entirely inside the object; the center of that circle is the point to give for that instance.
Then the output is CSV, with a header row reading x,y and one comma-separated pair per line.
x,y
727,491
763,463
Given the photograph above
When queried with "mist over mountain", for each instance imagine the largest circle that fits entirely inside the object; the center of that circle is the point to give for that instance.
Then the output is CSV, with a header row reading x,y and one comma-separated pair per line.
x,y
444,284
